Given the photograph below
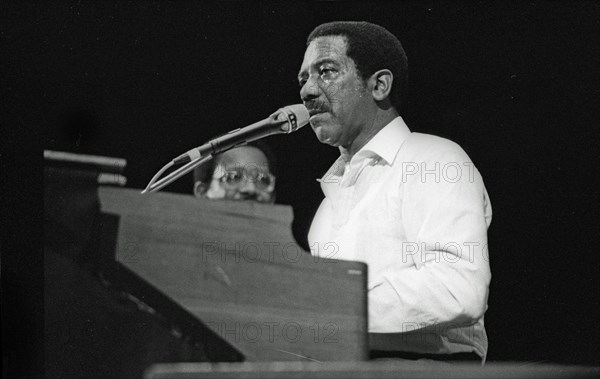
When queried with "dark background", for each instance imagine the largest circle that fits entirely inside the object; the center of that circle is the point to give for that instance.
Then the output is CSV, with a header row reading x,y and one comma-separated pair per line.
x,y
514,83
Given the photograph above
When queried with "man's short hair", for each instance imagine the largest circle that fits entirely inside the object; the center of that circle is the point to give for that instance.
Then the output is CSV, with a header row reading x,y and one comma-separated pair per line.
x,y
372,48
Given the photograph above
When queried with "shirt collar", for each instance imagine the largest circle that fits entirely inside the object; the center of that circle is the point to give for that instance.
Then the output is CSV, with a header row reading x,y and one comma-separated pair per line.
x,y
387,141
384,144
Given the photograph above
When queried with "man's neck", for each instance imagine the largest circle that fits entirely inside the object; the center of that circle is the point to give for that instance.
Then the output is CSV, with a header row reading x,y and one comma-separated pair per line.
x,y
381,119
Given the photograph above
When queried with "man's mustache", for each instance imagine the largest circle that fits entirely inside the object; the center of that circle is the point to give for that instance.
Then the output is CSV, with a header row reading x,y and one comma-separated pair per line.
x,y
315,107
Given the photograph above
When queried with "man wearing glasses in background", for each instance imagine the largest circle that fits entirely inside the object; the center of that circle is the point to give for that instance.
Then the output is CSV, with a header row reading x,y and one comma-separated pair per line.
x,y
242,173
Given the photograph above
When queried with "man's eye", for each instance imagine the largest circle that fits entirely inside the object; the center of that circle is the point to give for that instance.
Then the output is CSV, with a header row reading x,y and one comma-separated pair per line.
x,y
232,177
328,73
302,82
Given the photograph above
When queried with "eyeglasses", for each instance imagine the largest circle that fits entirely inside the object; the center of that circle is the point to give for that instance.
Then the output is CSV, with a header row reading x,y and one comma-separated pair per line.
x,y
238,179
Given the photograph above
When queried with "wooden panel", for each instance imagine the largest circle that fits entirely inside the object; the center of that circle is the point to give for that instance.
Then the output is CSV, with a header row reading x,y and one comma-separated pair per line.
x,y
90,309
373,369
237,267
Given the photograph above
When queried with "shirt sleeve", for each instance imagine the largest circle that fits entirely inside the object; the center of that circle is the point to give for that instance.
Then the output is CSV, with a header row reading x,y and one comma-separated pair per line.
x,y
446,213
319,230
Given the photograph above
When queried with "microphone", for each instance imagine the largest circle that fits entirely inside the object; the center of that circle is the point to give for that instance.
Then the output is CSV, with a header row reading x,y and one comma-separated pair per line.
x,y
283,121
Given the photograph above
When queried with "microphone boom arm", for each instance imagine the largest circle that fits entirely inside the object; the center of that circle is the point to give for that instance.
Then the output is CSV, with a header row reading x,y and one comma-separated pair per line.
x,y
153,187
285,120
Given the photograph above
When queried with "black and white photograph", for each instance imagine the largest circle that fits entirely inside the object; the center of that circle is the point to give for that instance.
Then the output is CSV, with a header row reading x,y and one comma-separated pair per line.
x,y
304,189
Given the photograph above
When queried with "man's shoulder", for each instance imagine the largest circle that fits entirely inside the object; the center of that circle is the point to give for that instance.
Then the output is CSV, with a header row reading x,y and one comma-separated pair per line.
x,y
432,142
427,145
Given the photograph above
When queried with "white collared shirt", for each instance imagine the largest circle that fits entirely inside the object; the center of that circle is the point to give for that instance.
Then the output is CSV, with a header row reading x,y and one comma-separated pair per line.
x,y
414,208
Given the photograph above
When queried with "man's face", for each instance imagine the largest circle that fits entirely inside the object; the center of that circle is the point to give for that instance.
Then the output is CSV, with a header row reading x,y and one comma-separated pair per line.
x,y
339,103
242,174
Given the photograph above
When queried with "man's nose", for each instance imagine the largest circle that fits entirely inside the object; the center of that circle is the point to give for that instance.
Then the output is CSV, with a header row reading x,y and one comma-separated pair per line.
x,y
248,187
310,90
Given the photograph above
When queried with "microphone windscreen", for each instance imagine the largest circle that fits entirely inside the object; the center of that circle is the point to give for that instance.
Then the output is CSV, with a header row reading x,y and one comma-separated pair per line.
x,y
296,115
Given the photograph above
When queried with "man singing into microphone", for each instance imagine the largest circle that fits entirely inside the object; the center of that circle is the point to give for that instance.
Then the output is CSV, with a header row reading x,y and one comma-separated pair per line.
x,y
412,206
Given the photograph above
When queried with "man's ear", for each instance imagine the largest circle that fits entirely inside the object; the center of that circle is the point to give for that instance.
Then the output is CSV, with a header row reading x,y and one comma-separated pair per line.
x,y
382,84
200,189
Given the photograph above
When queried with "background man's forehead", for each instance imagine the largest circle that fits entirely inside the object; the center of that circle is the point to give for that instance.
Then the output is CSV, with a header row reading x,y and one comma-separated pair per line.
x,y
242,156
